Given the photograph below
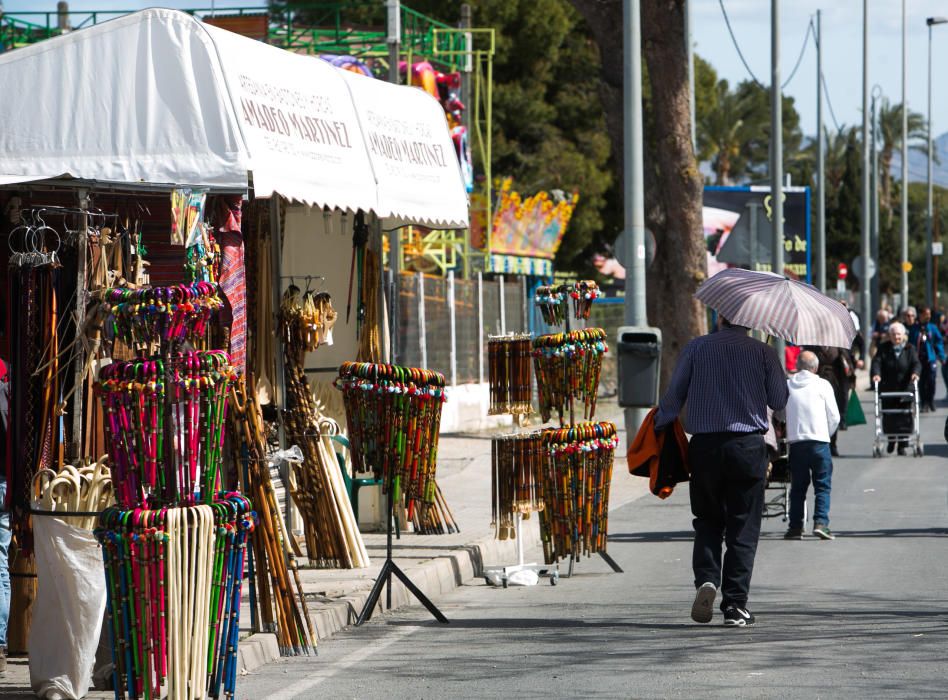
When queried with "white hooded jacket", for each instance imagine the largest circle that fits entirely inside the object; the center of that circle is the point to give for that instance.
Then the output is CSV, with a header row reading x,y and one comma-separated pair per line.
x,y
811,409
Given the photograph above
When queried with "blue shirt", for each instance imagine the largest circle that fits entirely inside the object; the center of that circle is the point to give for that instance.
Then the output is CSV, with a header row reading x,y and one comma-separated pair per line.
x,y
728,380
933,347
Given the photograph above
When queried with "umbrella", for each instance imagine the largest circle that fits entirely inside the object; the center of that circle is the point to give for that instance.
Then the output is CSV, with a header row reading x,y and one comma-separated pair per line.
x,y
778,306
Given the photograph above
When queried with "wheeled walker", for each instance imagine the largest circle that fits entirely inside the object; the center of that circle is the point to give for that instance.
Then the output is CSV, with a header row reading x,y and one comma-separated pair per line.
x,y
897,403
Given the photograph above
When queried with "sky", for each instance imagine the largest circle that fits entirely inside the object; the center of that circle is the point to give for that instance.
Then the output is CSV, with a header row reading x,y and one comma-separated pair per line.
x,y
750,20
842,52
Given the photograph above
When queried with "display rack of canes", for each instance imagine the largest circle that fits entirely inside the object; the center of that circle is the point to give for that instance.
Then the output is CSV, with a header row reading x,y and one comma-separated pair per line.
x,y
394,417
174,546
517,472
578,457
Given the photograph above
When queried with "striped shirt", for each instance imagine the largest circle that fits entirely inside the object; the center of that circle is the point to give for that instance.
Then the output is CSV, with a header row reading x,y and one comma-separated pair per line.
x,y
728,380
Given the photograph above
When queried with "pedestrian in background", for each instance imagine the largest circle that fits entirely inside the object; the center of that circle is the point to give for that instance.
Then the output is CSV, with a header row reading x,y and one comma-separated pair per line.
x,y
836,367
880,330
894,368
728,380
927,340
812,416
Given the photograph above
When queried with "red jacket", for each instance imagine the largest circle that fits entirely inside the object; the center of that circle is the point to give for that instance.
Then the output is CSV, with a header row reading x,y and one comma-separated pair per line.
x,y
664,462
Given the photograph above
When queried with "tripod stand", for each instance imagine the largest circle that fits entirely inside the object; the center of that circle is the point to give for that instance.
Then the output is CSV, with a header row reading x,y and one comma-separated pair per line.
x,y
390,568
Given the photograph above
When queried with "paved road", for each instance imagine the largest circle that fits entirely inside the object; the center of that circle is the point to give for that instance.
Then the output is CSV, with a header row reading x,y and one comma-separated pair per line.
x,y
865,616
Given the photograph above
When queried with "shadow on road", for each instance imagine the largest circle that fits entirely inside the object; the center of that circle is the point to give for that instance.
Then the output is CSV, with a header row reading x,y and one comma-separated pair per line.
x,y
676,536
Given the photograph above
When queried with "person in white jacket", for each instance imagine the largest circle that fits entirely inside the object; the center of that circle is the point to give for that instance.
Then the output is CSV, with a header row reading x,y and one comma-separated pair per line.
x,y
812,417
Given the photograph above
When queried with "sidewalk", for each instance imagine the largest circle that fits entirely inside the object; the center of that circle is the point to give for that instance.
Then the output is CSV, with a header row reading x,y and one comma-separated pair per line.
x,y
435,563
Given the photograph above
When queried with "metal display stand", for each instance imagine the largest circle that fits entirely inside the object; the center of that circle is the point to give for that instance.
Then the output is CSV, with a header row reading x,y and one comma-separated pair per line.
x,y
504,572
390,568
564,290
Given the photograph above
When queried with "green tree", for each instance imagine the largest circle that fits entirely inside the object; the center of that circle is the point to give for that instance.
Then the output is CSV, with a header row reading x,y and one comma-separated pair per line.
x,y
890,129
549,129
756,147
722,132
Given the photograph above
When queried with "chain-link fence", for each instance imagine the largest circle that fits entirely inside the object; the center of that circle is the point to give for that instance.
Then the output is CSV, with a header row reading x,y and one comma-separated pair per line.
x,y
444,323
447,326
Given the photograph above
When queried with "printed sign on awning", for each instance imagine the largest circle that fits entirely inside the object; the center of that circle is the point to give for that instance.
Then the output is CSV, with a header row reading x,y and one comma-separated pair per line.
x,y
411,152
298,123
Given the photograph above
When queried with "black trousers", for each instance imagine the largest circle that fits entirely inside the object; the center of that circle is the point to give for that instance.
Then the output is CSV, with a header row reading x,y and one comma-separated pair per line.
x,y
926,384
728,475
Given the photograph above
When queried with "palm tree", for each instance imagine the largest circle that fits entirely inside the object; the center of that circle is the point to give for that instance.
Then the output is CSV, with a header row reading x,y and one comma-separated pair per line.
x,y
721,133
890,129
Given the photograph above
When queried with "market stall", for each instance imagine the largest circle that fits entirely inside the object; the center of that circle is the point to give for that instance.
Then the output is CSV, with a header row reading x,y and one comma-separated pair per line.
x,y
156,106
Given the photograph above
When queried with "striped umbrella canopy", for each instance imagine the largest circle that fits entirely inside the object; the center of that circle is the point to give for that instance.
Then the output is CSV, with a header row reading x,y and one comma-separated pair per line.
x,y
778,306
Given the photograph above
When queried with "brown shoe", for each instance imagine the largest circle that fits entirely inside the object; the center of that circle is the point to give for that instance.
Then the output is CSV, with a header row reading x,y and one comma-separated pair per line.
x,y
3,661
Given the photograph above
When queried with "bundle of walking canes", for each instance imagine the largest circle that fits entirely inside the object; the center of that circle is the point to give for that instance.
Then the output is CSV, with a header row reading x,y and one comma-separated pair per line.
x,y
272,603
508,371
173,580
577,472
517,472
331,529
85,489
174,547
394,416
165,426
567,367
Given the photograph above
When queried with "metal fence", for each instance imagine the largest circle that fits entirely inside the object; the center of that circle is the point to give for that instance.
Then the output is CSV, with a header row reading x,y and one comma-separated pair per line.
x,y
444,322
445,327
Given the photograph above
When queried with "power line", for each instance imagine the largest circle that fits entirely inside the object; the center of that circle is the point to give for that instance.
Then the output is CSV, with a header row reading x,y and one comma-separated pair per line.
x,y
829,103
736,46
809,30
806,38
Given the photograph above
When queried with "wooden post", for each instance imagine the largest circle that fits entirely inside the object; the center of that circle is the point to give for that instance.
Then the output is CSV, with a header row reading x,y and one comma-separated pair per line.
x,y
75,451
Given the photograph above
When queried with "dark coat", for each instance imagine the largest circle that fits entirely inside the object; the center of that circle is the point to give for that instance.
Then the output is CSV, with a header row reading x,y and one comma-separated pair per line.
x,y
663,461
836,367
895,374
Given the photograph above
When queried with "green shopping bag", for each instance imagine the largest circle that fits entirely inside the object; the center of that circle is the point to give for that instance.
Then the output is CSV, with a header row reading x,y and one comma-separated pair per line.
x,y
854,414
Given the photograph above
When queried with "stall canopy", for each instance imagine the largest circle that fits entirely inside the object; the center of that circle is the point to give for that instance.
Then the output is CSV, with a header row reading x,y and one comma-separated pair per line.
x,y
158,97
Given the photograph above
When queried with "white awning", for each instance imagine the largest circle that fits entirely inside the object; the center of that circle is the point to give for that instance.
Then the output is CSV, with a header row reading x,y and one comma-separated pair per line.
x,y
158,97
411,152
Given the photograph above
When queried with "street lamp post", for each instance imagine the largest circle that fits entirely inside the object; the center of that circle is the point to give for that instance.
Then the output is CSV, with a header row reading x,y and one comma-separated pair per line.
x,y
930,292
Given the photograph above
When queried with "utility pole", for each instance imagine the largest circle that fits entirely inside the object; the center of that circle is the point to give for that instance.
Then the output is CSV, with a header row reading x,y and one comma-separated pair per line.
x,y
820,166
691,73
863,282
904,236
875,300
633,168
776,149
931,277
929,288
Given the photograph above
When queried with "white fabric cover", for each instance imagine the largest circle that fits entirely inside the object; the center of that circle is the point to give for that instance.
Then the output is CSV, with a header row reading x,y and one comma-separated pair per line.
x,y
68,611
298,124
412,154
158,97
136,99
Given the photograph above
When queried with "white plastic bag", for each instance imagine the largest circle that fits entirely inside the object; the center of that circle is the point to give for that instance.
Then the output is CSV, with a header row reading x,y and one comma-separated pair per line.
x,y
68,611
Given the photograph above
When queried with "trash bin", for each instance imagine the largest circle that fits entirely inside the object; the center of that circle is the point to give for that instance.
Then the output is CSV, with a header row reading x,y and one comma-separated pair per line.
x,y
639,360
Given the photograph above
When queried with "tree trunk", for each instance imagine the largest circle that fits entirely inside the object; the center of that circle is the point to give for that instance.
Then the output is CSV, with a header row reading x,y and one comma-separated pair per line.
x,y
673,189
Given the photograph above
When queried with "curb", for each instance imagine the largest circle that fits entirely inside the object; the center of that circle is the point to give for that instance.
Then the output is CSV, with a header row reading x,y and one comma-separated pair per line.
x,y
435,577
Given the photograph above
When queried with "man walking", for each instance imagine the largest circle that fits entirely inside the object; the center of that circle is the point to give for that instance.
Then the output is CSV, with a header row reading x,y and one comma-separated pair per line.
x,y
926,338
812,417
728,380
